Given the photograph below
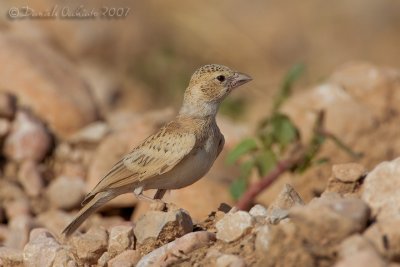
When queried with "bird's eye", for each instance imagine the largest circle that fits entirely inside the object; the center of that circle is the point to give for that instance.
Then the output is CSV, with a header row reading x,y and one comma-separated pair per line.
x,y
221,78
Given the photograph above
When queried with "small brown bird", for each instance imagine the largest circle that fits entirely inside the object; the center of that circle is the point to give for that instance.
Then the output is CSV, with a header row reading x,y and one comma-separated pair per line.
x,y
179,154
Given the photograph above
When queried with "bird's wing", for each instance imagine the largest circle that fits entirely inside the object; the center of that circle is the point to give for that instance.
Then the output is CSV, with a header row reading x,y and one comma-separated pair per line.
x,y
158,154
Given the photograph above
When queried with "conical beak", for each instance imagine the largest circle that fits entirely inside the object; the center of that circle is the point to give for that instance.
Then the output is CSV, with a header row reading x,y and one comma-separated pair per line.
x,y
240,79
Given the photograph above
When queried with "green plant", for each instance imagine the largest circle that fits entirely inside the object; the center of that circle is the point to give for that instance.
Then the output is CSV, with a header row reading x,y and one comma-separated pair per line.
x,y
277,147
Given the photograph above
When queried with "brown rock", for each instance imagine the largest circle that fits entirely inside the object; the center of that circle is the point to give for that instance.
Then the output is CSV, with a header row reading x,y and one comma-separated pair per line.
x,y
90,246
90,134
349,173
28,140
41,249
104,259
121,239
381,190
30,178
346,178
128,258
279,209
169,253
11,257
5,127
46,82
66,192
234,225
157,227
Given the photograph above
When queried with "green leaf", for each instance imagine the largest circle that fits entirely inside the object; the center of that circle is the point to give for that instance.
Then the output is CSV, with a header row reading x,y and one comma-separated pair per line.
x,y
242,148
265,162
285,131
286,89
239,186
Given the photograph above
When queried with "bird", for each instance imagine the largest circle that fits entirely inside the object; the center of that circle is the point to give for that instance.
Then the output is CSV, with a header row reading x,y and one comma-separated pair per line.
x,y
178,154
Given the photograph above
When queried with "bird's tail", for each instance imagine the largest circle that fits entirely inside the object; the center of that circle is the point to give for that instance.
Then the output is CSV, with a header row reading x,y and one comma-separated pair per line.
x,y
90,207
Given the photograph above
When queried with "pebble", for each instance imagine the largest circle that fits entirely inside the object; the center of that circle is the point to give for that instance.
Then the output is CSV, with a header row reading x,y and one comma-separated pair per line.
x,y
128,258
166,226
381,190
91,245
229,260
28,139
66,192
120,239
41,249
170,253
234,225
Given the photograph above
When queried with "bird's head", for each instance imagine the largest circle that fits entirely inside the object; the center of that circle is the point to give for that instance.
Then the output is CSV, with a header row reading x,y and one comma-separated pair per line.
x,y
207,88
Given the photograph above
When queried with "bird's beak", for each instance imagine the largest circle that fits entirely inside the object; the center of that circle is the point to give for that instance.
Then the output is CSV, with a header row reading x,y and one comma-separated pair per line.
x,y
240,79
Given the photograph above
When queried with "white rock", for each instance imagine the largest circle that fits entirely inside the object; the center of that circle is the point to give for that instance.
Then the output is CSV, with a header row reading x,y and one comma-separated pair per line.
x,y
183,245
263,237
153,223
229,260
41,249
234,225
258,210
128,258
382,190
10,257
120,239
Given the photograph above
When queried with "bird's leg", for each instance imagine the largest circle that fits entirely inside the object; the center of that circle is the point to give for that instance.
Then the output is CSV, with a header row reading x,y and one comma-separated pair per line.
x,y
138,192
160,194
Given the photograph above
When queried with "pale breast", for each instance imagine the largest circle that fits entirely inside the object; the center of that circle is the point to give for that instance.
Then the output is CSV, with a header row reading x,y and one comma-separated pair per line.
x,y
191,169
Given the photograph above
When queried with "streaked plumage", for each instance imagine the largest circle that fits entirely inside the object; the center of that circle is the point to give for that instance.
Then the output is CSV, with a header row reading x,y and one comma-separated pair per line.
x,y
177,155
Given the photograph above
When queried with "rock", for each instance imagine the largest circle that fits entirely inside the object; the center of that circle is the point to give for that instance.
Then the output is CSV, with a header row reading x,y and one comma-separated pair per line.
x,y
346,178
28,140
91,245
258,211
169,253
91,134
334,219
354,244
229,260
19,227
121,239
349,173
279,208
104,259
234,225
52,88
157,227
16,208
41,249
361,259
11,257
30,178
128,258
381,190
8,105
63,258
384,235
54,220
66,192
263,238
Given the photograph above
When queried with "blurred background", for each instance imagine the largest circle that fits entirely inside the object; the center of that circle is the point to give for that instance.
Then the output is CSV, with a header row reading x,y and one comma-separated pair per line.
x,y
93,88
